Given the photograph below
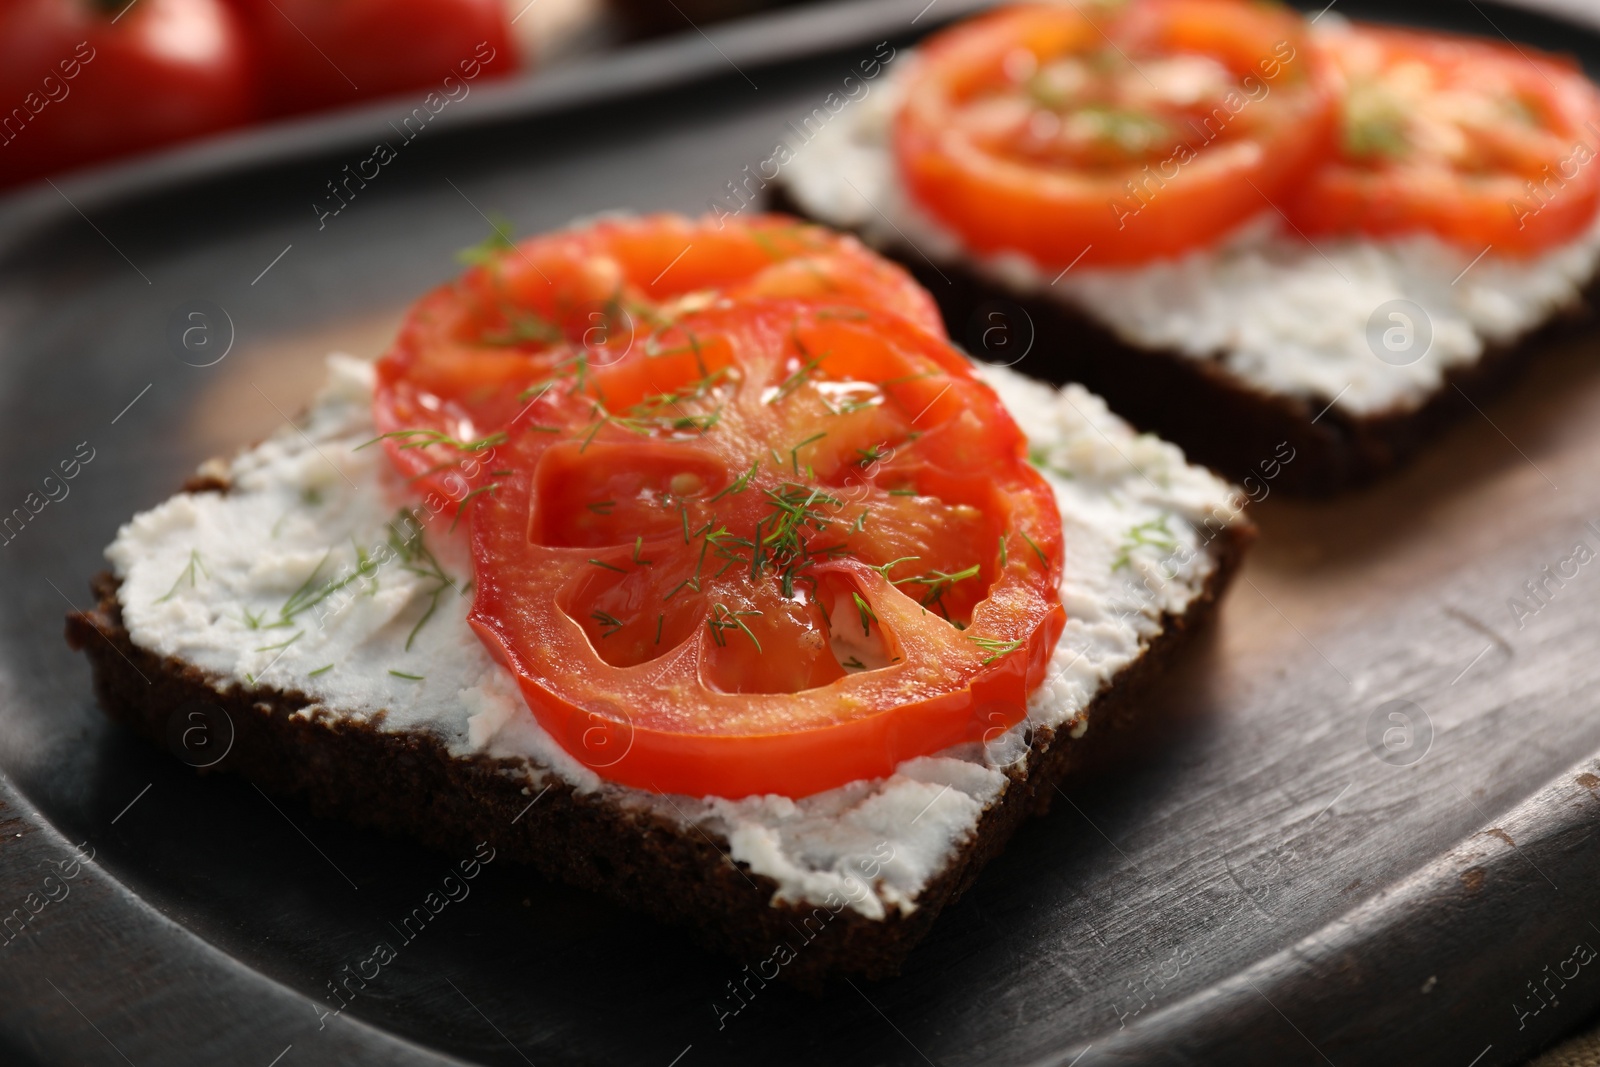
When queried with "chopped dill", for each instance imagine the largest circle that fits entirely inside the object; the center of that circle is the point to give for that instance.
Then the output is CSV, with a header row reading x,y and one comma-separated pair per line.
x,y
794,511
868,616
995,647
875,454
298,634
739,484
416,558
937,583
884,568
611,622
407,677
798,378
188,572
693,581
421,438
491,247
794,453
491,488
523,327
1154,533
1043,562
1040,458
722,619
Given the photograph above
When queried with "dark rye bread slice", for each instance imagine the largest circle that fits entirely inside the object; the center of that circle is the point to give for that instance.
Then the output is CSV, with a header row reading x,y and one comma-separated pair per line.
x,y
1218,418
409,784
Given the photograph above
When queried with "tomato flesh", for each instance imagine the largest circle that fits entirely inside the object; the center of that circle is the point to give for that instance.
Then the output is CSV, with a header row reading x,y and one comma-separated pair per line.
x,y
743,521
1483,144
461,368
1112,139
776,547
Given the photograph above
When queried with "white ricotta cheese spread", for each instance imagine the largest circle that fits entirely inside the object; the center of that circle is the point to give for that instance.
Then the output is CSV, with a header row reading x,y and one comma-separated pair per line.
x,y
265,586
1283,314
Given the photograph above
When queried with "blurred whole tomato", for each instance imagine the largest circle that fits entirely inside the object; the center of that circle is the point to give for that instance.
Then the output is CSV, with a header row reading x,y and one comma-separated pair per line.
x,y
323,53
83,80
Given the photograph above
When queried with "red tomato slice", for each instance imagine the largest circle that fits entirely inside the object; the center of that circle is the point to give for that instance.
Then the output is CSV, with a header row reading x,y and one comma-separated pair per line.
x,y
84,81
461,369
1036,129
1478,142
787,546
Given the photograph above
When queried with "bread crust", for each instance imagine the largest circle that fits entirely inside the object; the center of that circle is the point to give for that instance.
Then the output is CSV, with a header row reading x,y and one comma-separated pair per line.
x,y
1218,418
407,783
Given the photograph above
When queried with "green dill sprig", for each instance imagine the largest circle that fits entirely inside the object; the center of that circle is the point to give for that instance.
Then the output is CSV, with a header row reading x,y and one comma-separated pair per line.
x,y
461,507
667,411
724,545
1154,534
1037,551
298,634
653,349
188,572
575,366
693,581
309,594
739,484
416,558
868,616
491,247
523,326
995,647
794,453
721,618
884,568
664,413
611,623
795,509
876,454
808,365
423,437
937,583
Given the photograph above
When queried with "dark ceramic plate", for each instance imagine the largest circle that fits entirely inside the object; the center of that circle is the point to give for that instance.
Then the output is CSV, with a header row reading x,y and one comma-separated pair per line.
x,y
1265,882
